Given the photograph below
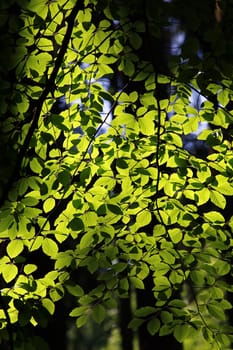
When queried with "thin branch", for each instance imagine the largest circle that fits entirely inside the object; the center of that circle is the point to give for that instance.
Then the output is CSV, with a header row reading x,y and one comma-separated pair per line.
x,y
157,154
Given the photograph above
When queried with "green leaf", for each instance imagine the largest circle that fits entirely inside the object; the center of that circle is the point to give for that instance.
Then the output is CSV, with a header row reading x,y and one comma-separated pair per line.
x,y
101,210
137,283
218,199
90,219
153,326
177,303
76,224
75,290
222,267
98,313
86,240
190,125
29,268
64,178
85,174
182,332
135,40
45,44
159,230
121,163
167,257
37,242
49,204
223,97
145,311
175,234
78,311
14,248
214,217
198,277
161,283
203,196
207,334
216,311
115,209
135,323
166,317
224,187
30,201
36,166
81,321
49,247
9,272
146,123
63,259
143,218
174,139
39,7
48,305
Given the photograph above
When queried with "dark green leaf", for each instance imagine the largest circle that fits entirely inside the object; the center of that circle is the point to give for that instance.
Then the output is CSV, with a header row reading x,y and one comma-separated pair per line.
x,y
76,224
115,209
153,326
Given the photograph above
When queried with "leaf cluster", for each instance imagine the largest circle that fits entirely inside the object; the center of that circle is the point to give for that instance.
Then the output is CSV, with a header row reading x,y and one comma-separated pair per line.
x,y
123,198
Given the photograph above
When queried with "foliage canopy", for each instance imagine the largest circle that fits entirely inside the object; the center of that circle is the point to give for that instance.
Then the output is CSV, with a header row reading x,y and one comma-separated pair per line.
x,y
122,199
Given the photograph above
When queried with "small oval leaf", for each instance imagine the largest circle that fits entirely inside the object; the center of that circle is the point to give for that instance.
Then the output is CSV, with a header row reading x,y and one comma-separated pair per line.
x,y
14,248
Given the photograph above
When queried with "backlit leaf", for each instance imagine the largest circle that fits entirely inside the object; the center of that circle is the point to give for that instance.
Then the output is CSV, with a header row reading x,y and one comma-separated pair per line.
x,y
218,199
143,218
175,235
48,305
49,247
215,217
9,272
146,124
49,204
203,196
29,268
14,248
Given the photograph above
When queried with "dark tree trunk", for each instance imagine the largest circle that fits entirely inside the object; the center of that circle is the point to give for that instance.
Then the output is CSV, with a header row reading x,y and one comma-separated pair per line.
x,y
124,319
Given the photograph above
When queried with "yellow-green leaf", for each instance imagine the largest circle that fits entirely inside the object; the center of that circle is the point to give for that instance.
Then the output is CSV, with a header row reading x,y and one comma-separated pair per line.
x,y
146,123
203,196
29,268
49,305
143,218
214,216
49,247
9,272
49,204
217,199
175,235
14,248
